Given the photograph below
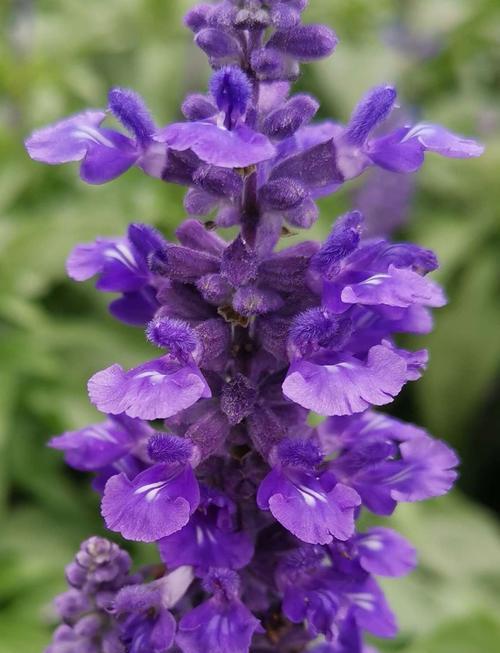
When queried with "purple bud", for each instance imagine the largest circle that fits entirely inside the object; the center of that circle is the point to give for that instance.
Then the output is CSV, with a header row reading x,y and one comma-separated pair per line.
x,y
250,301
71,604
195,235
266,429
300,5
210,430
223,16
138,598
238,398
316,328
251,19
270,64
315,167
285,121
228,216
215,338
304,215
198,107
239,263
284,17
305,42
166,448
282,194
302,454
214,289
198,202
176,336
287,269
182,301
130,109
373,109
222,182
88,626
217,44
197,18
231,90
182,263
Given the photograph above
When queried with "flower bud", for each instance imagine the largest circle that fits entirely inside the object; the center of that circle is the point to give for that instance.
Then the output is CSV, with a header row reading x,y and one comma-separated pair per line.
x,y
198,107
217,44
305,42
285,121
282,194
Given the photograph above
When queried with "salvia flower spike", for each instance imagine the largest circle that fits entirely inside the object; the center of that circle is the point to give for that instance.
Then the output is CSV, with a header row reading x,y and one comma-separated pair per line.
x,y
254,512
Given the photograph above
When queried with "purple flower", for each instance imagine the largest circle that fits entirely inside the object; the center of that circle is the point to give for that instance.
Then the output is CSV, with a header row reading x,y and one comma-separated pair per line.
x,y
146,624
158,501
222,140
253,336
384,470
222,623
157,389
384,552
312,506
153,390
401,150
345,385
210,539
122,266
99,445
105,153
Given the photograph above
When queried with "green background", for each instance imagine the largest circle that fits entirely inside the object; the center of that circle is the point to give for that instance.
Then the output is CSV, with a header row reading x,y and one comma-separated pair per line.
x,y
59,56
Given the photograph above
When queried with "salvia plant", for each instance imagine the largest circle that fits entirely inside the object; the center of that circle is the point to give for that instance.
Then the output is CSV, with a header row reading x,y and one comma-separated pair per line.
x,y
208,450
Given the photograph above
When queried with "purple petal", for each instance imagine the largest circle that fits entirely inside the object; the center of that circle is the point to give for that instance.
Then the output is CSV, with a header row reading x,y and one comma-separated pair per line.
x,y
349,386
308,508
154,390
88,259
67,140
163,632
99,445
372,611
214,626
386,553
316,167
429,470
393,152
157,503
202,544
107,159
438,139
398,287
238,148
135,308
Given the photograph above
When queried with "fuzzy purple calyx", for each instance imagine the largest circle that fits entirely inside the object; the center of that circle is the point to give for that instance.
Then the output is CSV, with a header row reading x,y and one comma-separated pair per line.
x,y
130,109
174,335
371,111
231,90
167,448
238,398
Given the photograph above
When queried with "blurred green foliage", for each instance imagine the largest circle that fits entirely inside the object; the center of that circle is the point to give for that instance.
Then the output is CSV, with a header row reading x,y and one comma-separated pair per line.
x,y
58,56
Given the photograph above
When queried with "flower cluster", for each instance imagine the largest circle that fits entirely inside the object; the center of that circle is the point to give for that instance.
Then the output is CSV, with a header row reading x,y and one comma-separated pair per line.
x,y
206,450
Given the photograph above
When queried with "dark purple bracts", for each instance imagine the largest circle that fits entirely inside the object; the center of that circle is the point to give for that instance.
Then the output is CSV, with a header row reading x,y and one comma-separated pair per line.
x,y
205,450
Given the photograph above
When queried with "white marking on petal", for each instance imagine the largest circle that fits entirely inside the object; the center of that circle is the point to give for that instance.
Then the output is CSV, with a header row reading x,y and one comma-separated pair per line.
x,y
151,490
154,377
374,543
94,135
311,496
